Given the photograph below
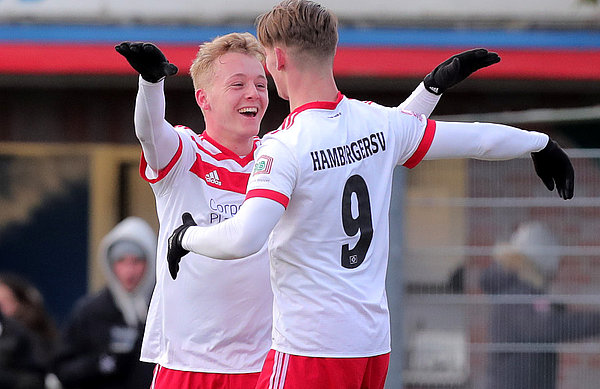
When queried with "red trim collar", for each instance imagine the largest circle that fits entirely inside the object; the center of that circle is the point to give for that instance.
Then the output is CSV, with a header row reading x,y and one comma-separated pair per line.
x,y
320,104
330,105
230,154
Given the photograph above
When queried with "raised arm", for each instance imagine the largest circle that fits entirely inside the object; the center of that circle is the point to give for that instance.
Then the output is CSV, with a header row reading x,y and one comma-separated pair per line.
x,y
447,74
158,138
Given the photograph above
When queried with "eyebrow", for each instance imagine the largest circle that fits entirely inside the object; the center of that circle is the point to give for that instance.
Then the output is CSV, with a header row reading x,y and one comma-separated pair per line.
x,y
244,75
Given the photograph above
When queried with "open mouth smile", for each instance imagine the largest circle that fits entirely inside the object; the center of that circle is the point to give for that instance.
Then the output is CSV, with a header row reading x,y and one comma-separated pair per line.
x,y
251,112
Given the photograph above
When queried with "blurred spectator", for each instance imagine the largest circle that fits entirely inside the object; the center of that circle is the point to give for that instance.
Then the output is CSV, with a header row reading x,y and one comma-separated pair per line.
x,y
102,338
456,282
18,367
525,266
22,301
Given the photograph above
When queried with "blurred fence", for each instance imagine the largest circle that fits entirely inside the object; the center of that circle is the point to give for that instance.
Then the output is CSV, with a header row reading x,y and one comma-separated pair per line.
x,y
455,335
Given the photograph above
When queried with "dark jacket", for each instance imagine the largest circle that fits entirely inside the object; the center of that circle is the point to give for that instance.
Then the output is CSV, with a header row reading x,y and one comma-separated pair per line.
x,y
100,350
19,369
537,322
102,339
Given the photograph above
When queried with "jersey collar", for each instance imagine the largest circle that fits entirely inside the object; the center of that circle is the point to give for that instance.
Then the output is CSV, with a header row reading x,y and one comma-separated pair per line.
x,y
230,154
320,104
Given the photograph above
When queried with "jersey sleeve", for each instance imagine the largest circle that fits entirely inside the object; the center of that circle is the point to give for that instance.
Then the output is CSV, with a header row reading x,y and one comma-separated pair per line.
x,y
414,134
237,237
152,176
165,180
487,141
421,101
274,174
157,137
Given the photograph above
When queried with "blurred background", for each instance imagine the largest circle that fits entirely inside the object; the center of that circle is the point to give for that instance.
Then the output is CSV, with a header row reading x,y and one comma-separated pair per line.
x,y
69,159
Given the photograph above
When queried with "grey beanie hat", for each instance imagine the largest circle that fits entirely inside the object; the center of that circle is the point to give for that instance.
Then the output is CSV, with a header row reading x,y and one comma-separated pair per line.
x,y
536,242
122,248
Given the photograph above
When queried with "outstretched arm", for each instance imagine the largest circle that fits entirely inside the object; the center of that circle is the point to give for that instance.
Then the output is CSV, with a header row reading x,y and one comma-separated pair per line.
x,y
486,141
447,74
498,142
158,138
237,237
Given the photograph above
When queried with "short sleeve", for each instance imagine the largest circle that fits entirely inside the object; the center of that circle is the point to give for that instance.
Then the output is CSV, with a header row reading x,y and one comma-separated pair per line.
x,y
414,135
274,174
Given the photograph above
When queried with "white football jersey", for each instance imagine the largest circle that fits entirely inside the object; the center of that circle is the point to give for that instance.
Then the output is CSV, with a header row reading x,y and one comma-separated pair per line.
x,y
331,165
216,316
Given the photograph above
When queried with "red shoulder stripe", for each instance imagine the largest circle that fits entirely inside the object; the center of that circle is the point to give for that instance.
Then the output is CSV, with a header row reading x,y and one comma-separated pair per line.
x,y
423,146
163,172
269,194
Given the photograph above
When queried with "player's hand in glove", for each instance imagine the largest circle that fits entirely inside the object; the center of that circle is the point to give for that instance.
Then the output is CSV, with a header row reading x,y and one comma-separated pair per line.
x,y
176,250
554,168
457,68
147,60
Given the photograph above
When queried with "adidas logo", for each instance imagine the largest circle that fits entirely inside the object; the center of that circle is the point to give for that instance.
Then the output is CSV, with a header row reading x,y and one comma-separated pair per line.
x,y
213,178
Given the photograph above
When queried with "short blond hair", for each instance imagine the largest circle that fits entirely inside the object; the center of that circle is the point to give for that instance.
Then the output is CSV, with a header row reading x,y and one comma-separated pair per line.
x,y
300,24
202,69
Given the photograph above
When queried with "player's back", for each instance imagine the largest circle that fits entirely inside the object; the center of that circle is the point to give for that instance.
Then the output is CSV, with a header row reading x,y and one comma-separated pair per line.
x,y
344,174
329,251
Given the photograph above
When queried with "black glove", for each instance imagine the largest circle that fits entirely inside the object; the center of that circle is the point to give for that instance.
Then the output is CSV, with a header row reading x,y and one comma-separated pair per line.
x,y
554,166
147,60
176,251
457,68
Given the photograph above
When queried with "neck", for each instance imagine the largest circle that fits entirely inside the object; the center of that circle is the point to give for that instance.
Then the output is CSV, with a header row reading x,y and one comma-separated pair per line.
x,y
241,146
308,87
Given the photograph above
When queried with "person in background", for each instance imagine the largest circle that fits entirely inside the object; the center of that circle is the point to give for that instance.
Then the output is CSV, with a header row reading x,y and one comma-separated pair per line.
x,y
21,301
19,369
101,341
525,266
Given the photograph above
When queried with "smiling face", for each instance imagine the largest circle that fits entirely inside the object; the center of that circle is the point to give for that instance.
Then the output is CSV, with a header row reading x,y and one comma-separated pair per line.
x,y
235,101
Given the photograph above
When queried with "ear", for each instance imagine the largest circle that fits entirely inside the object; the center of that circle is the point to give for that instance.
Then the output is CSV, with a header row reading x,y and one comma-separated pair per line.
x,y
202,99
280,58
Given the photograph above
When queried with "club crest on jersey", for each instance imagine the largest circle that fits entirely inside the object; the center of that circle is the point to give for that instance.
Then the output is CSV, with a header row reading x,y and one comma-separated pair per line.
x,y
263,165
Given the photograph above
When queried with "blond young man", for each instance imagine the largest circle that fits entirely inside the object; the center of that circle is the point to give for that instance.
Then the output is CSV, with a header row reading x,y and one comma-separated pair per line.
x,y
211,328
